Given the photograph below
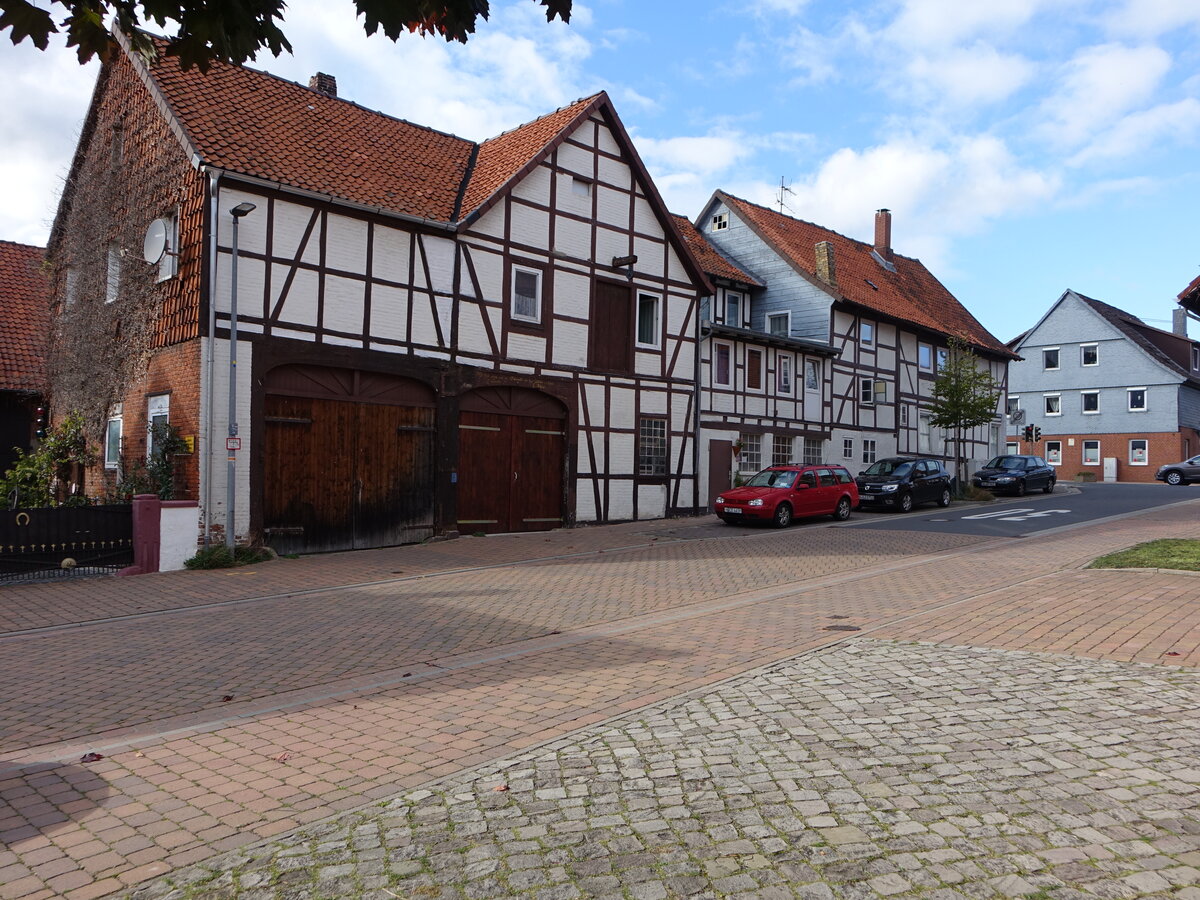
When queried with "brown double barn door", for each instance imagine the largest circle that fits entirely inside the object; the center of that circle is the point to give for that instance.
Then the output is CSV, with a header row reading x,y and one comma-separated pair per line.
x,y
512,453
348,470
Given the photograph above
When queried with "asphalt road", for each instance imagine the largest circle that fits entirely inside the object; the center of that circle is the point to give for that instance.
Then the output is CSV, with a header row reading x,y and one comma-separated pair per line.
x,y
1070,504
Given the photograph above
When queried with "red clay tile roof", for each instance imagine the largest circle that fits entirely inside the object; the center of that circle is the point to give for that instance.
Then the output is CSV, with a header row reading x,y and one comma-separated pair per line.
x,y
24,317
910,294
709,258
1189,297
254,123
504,157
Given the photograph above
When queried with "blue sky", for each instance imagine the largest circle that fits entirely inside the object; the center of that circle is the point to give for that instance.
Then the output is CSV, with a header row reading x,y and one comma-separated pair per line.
x,y
1024,147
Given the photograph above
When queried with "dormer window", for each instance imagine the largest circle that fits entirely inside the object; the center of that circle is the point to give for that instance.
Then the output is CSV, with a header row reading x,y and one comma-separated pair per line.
x,y
720,221
733,309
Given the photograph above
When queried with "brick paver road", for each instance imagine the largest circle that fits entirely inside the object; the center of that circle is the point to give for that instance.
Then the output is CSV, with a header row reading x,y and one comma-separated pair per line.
x,y
874,769
343,695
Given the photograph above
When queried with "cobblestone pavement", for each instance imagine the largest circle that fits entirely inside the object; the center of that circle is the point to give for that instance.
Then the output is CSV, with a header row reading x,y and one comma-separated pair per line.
x,y
874,769
590,636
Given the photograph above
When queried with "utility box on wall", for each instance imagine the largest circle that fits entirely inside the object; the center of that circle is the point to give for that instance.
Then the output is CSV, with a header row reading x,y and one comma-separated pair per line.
x,y
1110,468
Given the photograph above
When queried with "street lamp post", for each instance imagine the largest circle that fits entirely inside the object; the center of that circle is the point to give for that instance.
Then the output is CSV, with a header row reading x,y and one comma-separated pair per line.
x,y
231,442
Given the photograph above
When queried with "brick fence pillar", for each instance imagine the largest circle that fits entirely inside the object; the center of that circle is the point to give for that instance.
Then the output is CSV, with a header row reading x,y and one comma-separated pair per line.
x,y
147,534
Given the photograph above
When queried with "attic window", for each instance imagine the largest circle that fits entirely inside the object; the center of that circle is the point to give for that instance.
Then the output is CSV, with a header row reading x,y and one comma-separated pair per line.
x,y
581,187
720,221
873,285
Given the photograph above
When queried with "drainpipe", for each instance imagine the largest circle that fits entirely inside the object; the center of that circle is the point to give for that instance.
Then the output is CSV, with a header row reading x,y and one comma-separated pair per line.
x,y
214,193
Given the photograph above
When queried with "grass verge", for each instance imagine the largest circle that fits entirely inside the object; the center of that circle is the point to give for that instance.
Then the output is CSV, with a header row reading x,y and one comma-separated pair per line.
x,y
1168,553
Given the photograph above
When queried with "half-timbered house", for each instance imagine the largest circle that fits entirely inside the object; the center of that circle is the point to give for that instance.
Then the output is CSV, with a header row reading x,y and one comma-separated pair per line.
x,y
763,391
432,334
873,323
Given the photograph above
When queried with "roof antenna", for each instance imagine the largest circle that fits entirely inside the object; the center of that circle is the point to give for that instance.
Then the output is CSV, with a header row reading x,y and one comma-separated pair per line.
x,y
784,190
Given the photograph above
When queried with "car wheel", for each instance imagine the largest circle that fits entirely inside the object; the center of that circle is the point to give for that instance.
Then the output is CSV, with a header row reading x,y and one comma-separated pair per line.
x,y
944,499
1020,488
1175,478
1049,488
783,515
906,502
842,511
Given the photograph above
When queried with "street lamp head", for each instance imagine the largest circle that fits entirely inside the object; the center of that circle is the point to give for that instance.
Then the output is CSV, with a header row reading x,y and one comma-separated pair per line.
x,y
242,209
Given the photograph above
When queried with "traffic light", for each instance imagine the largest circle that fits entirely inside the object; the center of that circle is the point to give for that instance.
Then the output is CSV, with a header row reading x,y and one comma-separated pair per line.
x,y
1037,433
1027,434
40,416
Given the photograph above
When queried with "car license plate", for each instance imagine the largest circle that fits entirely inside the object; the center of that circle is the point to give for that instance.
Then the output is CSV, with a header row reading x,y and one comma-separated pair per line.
x,y
733,509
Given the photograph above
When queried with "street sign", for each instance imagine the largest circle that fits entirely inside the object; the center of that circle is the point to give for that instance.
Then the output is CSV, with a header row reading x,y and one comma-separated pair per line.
x,y
233,443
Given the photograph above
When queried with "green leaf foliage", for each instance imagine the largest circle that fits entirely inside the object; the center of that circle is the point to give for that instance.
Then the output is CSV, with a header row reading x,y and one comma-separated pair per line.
x,y
230,30
45,475
964,395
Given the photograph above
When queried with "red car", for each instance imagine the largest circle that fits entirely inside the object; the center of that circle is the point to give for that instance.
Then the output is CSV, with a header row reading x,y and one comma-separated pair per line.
x,y
782,493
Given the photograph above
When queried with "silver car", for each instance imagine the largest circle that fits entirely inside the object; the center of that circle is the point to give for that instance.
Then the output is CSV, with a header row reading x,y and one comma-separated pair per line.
x,y
1180,472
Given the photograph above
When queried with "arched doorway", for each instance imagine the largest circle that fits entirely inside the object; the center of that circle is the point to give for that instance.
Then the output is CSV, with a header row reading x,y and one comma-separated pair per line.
x,y
348,459
512,450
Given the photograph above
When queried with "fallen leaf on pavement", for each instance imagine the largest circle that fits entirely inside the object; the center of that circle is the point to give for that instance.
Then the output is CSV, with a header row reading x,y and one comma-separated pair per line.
x,y
227,698
91,757
283,757
500,787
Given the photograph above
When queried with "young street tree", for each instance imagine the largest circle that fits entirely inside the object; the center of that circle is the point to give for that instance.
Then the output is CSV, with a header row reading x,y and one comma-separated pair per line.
x,y
229,30
964,398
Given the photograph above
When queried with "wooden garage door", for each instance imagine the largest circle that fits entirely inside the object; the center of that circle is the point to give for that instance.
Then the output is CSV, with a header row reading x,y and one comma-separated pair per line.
x,y
512,456
351,473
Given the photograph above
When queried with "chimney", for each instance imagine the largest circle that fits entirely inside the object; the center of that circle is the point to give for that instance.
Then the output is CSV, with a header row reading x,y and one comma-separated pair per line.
x,y
1179,322
883,233
826,270
324,84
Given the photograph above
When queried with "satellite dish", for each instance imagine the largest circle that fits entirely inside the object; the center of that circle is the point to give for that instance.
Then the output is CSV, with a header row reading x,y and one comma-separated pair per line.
x,y
154,245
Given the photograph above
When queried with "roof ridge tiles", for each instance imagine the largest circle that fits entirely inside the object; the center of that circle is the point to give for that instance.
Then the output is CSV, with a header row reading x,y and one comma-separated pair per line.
x,y
554,112
826,228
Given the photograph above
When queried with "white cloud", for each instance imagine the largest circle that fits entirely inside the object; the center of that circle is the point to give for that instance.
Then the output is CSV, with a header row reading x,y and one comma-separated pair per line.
x,y
946,23
1175,122
46,98
1151,18
1099,85
969,76
771,7
936,193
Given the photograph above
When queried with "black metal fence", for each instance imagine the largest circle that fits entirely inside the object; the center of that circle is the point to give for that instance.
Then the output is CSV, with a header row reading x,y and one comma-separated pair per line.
x,y
42,543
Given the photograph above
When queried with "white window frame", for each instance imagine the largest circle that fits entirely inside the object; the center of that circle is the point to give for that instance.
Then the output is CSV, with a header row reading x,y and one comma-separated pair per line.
x,y
811,366
748,441
762,371
1046,398
1084,453
866,333
1011,448
737,296
117,418
783,373
1016,405
1195,358
1058,359
787,328
1052,454
657,301
1083,403
536,318
653,447
719,222
941,357
847,448
866,391
927,351
812,451
903,415
112,274
1145,461
728,348
156,405
1082,348
869,451
777,441
1129,400
924,433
